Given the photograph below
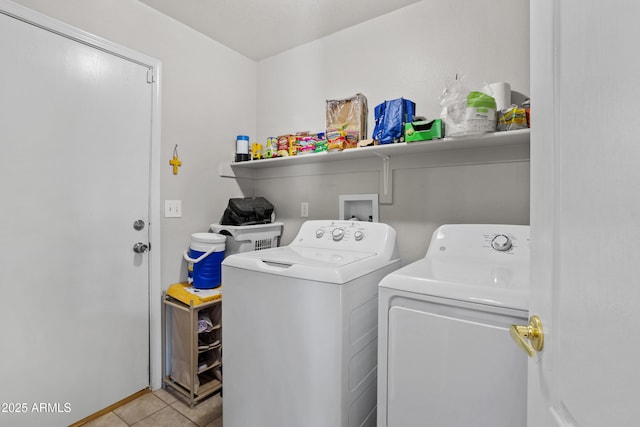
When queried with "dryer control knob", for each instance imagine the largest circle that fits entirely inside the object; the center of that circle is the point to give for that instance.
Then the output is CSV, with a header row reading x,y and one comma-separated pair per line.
x,y
501,243
358,235
337,234
319,233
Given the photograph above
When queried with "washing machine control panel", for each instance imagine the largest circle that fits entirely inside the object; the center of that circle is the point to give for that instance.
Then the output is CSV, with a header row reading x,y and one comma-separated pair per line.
x,y
341,231
346,235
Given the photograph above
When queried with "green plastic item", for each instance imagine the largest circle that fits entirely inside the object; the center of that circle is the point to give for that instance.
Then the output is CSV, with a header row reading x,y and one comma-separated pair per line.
x,y
423,131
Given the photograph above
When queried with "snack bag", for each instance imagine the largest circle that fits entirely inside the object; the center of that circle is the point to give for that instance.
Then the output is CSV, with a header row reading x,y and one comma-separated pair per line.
x,y
335,139
512,118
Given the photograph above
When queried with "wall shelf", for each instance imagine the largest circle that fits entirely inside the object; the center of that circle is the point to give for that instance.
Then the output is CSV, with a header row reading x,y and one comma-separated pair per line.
x,y
488,148
494,139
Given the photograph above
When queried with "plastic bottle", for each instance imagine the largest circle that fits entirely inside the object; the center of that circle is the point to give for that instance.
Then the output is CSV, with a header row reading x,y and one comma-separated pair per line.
x,y
242,148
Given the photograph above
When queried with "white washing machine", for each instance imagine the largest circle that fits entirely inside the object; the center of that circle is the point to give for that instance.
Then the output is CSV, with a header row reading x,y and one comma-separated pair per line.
x,y
300,327
445,354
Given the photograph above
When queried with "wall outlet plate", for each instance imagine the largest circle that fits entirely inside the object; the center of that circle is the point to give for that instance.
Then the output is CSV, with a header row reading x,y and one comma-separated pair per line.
x,y
173,208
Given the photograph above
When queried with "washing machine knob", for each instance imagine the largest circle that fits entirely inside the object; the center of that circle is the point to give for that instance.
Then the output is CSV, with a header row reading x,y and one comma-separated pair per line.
x,y
501,243
319,233
337,234
358,235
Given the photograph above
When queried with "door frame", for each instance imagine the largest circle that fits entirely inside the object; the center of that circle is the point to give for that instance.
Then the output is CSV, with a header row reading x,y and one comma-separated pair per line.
x,y
155,292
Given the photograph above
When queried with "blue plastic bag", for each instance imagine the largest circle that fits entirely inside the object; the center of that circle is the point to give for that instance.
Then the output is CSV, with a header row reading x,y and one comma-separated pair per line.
x,y
391,117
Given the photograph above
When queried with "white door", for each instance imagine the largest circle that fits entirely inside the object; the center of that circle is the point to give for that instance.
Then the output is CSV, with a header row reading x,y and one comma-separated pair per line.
x,y
75,132
585,218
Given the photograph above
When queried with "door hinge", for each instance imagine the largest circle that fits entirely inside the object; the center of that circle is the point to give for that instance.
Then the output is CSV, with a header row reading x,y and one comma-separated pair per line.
x,y
151,77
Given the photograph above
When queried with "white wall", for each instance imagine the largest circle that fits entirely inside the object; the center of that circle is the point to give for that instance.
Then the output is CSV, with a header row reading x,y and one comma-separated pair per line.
x,y
208,97
410,53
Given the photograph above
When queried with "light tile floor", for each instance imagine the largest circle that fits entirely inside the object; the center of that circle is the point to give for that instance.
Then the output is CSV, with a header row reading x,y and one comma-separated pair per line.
x,y
162,409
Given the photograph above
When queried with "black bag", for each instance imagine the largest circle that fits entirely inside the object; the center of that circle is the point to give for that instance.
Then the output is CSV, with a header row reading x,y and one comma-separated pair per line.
x,y
247,211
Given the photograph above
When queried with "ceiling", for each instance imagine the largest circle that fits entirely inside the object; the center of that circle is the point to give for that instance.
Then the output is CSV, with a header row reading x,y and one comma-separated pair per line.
x,y
262,28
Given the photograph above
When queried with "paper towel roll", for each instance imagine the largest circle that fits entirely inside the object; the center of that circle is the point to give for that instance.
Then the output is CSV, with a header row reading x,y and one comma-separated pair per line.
x,y
501,91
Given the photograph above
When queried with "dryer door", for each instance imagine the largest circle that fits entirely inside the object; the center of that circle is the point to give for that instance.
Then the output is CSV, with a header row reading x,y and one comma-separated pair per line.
x,y
453,365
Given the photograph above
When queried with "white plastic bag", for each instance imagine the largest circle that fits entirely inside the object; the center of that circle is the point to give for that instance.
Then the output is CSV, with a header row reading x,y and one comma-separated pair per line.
x,y
466,112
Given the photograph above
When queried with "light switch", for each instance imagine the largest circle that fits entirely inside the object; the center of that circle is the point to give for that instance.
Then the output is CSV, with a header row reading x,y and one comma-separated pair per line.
x,y
173,208
304,210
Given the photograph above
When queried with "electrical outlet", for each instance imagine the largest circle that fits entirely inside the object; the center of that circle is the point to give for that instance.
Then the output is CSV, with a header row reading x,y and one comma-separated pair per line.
x,y
304,210
173,208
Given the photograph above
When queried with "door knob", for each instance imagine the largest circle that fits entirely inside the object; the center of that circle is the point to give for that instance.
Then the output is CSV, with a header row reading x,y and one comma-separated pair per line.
x,y
140,248
530,338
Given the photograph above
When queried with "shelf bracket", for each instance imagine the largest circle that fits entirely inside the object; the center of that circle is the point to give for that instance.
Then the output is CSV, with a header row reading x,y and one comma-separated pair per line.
x,y
386,180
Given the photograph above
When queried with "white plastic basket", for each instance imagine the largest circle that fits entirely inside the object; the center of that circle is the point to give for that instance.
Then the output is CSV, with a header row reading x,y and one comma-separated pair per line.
x,y
247,238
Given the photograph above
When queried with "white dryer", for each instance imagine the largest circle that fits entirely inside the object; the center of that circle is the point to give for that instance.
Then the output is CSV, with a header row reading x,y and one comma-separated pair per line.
x,y
300,327
445,354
